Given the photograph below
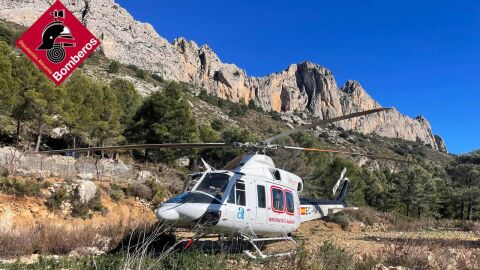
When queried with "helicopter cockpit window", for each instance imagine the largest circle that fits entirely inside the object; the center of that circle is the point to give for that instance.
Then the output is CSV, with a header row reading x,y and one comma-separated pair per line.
x,y
214,184
278,199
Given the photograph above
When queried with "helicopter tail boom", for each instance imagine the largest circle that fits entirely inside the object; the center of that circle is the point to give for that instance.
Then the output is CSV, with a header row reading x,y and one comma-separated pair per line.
x,y
311,209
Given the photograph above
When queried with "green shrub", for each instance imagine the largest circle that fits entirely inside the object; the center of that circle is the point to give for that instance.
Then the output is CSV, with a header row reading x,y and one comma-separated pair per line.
x,y
140,73
344,134
341,219
8,35
132,67
252,105
114,67
208,134
194,260
140,190
83,210
46,184
116,192
57,198
157,78
159,192
238,109
275,115
217,124
331,257
19,187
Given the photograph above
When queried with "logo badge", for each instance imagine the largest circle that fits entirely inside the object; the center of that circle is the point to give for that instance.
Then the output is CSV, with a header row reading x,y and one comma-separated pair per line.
x,y
58,43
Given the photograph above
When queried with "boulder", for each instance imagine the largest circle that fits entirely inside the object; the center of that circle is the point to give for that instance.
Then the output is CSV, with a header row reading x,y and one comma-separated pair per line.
x,y
182,162
143,176
86,191
85,251
85,176
287,119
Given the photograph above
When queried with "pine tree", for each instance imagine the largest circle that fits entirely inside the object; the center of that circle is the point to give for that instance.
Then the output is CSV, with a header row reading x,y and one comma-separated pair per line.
x,y
79,108
92,112
465,173
8,87
107,128
37,101
164,117
128,99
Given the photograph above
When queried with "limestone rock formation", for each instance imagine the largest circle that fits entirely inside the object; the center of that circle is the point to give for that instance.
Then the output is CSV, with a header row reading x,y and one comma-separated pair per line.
x,y
300,87
441,144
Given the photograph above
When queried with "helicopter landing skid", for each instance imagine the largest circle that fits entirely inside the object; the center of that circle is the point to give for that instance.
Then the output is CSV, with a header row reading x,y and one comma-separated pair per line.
x,y
252,241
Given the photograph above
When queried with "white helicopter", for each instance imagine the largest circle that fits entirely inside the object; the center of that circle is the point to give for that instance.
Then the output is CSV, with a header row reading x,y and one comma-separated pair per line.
x,y
250,197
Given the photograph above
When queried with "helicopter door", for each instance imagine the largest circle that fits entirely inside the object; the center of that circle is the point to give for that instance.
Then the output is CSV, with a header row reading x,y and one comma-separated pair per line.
x,y
237,205
276,211
262,213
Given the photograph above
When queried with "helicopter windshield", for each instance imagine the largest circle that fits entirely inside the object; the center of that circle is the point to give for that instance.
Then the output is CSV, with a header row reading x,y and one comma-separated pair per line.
x,y
214,184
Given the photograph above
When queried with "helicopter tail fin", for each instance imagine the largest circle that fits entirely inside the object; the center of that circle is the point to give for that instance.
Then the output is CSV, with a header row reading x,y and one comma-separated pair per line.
x,y
343,193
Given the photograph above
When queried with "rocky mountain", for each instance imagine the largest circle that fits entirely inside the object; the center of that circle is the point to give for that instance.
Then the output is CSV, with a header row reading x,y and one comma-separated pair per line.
x,y
301,87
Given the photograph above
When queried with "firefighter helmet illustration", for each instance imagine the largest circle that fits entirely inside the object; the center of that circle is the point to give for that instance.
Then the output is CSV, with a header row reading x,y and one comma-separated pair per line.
x,y
56,37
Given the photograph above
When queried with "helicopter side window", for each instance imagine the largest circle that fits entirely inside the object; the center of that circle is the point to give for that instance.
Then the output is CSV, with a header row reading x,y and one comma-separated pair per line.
x,y
289,201
278,199
261,196
240,193
237,194
277,175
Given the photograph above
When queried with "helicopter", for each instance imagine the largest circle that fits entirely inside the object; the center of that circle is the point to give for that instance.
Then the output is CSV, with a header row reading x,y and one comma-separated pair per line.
x,y
250,197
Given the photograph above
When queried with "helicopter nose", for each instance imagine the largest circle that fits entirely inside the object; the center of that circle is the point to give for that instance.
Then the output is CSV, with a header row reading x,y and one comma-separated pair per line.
x,y
181,212
167,214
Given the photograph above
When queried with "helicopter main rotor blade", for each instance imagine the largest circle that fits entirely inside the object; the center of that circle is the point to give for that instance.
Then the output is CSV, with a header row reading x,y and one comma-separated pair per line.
x,y
144,146
345,152
323,122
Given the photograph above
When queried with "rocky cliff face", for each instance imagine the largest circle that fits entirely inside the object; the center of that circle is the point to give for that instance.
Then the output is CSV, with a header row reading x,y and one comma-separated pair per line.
x,y
301,87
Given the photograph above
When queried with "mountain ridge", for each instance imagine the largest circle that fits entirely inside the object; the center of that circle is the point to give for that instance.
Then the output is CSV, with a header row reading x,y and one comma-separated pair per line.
x,y
303,87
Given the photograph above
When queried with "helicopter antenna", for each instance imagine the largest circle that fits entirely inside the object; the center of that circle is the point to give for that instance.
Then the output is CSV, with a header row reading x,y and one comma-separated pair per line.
x,y
207,166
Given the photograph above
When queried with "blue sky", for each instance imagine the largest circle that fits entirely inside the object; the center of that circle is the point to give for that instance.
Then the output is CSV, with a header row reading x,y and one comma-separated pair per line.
x,y
422,57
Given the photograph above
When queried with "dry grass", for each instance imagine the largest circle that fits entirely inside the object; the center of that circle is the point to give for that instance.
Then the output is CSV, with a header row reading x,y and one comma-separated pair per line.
x,y
430,254
61,240
412,224
51,239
